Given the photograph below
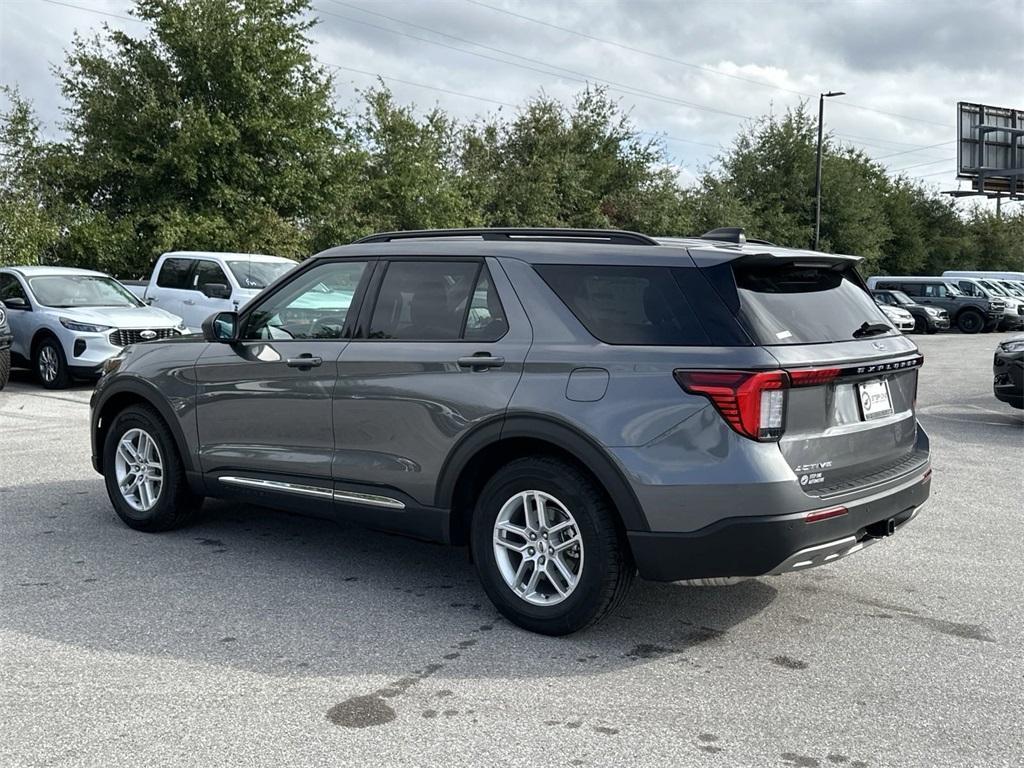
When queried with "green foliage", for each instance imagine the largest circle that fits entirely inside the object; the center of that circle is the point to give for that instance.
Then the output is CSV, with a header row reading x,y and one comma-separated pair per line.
x,y
217,130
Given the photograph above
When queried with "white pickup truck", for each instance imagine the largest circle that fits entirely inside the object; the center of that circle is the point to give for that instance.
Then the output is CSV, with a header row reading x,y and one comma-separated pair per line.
x,y
195,284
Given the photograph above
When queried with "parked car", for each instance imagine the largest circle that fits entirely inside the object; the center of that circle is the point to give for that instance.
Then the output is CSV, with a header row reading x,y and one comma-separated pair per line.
x,y
1008,371
67,322
986,274
5,348
1013,308
572,404
970,314
926,319
196,284
900,318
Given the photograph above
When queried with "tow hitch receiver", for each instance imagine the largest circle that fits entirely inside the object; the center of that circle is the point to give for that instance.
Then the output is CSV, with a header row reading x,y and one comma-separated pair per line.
x,y
881,529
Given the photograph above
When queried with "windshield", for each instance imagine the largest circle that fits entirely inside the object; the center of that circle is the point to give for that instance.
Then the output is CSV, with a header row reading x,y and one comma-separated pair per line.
x,y
81,291
257,275
901,297
1012,289
797,304
993,288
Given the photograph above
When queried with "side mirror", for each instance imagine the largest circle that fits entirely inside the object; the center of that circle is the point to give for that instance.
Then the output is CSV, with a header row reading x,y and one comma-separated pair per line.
x,y
216,290
221,327
16,302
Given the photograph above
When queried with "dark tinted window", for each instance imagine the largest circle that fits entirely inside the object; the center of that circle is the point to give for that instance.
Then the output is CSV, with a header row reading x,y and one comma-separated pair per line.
x,y
627,305
913,289
208,272
486,319
424,300
795,304
174,273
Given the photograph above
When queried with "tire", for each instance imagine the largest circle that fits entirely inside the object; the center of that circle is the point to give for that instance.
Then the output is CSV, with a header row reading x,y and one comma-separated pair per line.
x,y
175,504
5,367
921,325
599,558
50,365
932,329
970,321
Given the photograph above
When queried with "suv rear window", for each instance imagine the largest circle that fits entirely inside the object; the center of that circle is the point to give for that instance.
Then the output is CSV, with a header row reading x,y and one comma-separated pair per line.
x,y
627,305
796,304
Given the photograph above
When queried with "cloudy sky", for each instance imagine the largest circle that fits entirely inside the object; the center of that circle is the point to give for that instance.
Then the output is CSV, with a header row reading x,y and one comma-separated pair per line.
x,y
691,71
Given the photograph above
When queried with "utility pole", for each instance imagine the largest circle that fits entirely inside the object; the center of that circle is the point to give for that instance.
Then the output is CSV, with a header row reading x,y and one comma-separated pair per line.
x,y
817,171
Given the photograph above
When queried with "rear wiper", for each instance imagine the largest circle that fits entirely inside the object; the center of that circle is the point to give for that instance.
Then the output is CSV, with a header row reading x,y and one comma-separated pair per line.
x,y
870,329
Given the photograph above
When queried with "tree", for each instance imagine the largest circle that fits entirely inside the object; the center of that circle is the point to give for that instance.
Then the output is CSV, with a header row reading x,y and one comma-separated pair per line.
x,y
27,228
214,130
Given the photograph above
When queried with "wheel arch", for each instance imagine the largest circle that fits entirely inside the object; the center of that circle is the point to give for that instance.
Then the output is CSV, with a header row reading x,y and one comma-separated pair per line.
x,y
121,395
495,443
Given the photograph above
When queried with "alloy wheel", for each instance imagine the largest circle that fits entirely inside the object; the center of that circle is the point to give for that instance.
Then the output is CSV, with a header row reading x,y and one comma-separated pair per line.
x,y
48,363
538,548
139,470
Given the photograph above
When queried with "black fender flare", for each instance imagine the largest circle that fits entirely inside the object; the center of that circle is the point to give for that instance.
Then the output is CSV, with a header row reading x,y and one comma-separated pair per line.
x,y
551,430
146,391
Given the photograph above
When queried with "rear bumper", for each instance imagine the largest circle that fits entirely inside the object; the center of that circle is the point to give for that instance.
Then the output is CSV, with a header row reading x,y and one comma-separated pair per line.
x,y
756,546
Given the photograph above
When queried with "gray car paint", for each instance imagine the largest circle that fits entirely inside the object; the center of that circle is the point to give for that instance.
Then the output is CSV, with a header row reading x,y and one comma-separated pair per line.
x,y
398,410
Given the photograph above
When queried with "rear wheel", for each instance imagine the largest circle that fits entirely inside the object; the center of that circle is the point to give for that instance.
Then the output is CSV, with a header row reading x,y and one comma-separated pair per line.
x,y
50,365
970,321
547,548
144,475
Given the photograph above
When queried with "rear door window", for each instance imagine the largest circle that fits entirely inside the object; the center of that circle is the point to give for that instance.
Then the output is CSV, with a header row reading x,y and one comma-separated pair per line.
x,y
425,300
174,273
798,304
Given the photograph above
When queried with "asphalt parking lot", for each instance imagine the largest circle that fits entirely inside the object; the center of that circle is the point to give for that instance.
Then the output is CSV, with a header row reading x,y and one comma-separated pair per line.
x,y
262,638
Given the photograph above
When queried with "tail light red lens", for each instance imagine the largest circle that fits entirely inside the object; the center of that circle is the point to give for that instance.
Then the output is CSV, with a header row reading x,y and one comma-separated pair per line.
x,y
810,377
825,514
752,402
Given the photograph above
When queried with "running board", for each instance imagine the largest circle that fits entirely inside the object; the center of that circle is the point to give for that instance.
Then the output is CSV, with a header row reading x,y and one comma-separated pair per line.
x,y
349,497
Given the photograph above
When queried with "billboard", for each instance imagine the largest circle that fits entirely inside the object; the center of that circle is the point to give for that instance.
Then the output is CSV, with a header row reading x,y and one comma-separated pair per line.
x,y
990,147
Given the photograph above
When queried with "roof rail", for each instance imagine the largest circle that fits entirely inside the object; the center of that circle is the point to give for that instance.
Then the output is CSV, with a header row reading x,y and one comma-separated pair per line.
x,y
726,235
548,234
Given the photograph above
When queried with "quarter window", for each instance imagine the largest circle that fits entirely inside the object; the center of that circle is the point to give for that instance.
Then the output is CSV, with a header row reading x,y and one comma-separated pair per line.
x,y
174,273
429,301
313,306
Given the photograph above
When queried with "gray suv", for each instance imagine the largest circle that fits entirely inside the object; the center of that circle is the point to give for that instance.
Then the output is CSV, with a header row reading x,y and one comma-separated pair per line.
x,y
573,405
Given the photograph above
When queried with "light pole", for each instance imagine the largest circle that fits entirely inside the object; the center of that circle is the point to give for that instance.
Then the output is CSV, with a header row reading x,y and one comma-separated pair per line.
x,y
817,171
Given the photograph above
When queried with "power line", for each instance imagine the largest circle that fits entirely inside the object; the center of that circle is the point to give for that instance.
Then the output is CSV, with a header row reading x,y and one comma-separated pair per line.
x,y
700,67
921,165
909,151
96,11
572,75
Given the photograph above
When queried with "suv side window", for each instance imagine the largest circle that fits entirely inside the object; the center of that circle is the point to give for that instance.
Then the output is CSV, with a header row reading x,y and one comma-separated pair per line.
x,y
935,291
208,272
10,288
174,274
486,319
427,301
312,306
969,288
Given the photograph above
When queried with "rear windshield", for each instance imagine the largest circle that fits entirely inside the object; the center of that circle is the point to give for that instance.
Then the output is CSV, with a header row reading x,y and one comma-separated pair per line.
x,y
796,304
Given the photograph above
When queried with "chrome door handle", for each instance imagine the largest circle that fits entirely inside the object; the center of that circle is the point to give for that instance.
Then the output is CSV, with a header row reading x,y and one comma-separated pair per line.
x,y
481,362
304,362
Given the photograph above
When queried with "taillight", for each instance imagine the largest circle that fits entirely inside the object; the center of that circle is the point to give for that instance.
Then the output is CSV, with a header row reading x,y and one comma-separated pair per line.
x,y
753,402
809,377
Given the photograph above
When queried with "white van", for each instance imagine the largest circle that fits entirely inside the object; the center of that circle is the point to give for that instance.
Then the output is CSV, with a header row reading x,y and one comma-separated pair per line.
x,y
1017,277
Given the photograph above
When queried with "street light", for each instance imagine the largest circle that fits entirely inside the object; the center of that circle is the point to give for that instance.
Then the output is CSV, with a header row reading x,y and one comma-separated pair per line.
x,y
817,172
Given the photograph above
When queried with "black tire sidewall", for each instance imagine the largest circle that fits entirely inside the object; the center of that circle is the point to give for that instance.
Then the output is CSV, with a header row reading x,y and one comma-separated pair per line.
x,y
576,610
970,322
164,513
5,367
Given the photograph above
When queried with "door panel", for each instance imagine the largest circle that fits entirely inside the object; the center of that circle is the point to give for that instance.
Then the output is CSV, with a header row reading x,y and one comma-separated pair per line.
x,y
402,405
265,403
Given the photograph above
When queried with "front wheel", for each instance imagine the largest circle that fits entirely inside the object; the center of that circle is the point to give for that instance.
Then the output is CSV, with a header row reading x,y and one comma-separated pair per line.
x,y
5,367
970,321
51,365
144,475
547,547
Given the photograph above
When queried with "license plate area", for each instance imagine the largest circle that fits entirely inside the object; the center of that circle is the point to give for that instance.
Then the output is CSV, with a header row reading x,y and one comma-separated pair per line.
x,y
875,399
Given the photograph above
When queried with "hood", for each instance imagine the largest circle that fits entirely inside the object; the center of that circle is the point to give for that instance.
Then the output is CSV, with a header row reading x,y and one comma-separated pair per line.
x,y
119,317
244,295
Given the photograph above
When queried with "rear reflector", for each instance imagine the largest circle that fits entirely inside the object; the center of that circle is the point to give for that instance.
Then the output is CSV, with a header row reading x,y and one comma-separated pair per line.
x,y
825,514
